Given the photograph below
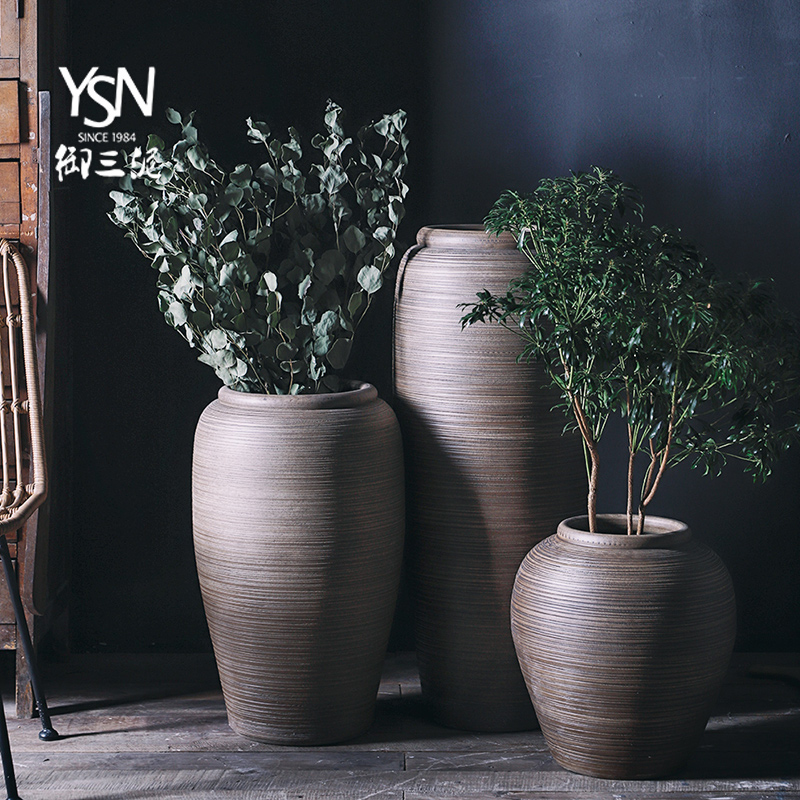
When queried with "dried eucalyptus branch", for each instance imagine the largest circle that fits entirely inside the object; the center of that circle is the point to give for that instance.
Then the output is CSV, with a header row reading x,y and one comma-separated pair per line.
x,y
268,270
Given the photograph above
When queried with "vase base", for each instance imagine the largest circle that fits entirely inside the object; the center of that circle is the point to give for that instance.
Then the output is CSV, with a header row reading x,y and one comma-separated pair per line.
x,y
298,737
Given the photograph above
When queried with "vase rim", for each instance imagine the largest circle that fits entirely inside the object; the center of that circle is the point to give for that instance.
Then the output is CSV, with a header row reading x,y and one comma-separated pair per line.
x,y
463,235
658,532
358,394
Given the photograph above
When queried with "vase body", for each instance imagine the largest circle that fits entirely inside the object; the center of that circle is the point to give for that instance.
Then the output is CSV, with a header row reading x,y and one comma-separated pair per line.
x,y
488,473
298,530
624,642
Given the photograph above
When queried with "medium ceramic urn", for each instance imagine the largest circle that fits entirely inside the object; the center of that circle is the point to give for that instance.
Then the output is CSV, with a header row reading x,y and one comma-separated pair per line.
x,y
298,529
624,641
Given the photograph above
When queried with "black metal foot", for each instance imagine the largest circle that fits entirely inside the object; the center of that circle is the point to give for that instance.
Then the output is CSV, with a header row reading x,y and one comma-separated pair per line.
x,y
47,734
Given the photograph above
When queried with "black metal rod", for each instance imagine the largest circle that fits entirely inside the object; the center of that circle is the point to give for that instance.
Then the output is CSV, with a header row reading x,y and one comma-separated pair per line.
x,y
5,755
47,733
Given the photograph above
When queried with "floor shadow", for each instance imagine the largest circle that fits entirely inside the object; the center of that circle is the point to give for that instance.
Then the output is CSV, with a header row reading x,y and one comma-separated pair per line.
x,y
167,724
131,699
411,719
751,748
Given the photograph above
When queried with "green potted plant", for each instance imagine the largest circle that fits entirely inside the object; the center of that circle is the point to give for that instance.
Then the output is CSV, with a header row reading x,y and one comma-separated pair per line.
x,y
623,623
297,494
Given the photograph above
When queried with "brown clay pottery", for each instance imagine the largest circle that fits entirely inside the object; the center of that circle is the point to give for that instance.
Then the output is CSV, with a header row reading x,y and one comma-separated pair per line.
x,y
488,473
298,530
624,641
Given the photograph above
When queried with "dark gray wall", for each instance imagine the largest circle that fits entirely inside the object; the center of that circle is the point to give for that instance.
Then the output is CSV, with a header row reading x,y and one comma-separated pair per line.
x,y
138,390
697,103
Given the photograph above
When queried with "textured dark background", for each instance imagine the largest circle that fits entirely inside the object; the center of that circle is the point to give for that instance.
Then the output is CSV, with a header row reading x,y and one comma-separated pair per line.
x,y
695,102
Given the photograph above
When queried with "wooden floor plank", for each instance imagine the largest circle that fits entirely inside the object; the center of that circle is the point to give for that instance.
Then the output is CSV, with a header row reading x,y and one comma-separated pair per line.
x,y
142,727
486,760
326,793
609,793
298,759
360,783
333,793
145,793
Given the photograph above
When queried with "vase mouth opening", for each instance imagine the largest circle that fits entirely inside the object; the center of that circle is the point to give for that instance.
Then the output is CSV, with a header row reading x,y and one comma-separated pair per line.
x,y
356,393
613,532
467,235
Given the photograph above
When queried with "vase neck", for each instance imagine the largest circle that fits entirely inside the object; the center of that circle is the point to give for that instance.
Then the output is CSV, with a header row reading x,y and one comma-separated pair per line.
x,y
358,394
612,533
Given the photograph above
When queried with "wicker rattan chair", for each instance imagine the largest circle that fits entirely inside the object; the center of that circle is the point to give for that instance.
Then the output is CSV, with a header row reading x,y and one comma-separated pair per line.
x,y
24,470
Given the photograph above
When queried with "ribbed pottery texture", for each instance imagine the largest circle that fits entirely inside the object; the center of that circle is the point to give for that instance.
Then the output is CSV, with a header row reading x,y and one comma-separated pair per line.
x,y
488,473
624,642
298,529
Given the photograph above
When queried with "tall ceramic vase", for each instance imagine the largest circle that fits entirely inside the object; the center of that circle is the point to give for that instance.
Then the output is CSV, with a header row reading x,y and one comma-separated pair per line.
x,y
488,473
298,529
624,642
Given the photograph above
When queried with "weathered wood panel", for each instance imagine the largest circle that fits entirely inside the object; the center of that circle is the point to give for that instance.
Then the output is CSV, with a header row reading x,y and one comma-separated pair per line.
x,y
9,112
300,759
9,30
350,783
9,68
9,193
155,727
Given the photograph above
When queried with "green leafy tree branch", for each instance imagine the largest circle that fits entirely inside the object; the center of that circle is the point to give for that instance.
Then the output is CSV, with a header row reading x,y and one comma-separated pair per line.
x,y
632,320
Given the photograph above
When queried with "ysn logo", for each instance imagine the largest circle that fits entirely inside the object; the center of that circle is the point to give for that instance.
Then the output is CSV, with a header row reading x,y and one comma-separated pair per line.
x,y
113,110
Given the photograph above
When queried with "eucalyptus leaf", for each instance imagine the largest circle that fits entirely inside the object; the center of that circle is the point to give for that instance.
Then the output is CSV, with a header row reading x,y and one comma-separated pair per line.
x,y
230,250
201,319
270,281
242,175
177,313
197,201
328,266
266,174
326,324
227,275
227,358
122,199
339,353
285,351
303,286
354,239
370,279
288,328
247,271
190,133
257,131
240,368
124,214
233,194
217,339
197,158
355,303
240,322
